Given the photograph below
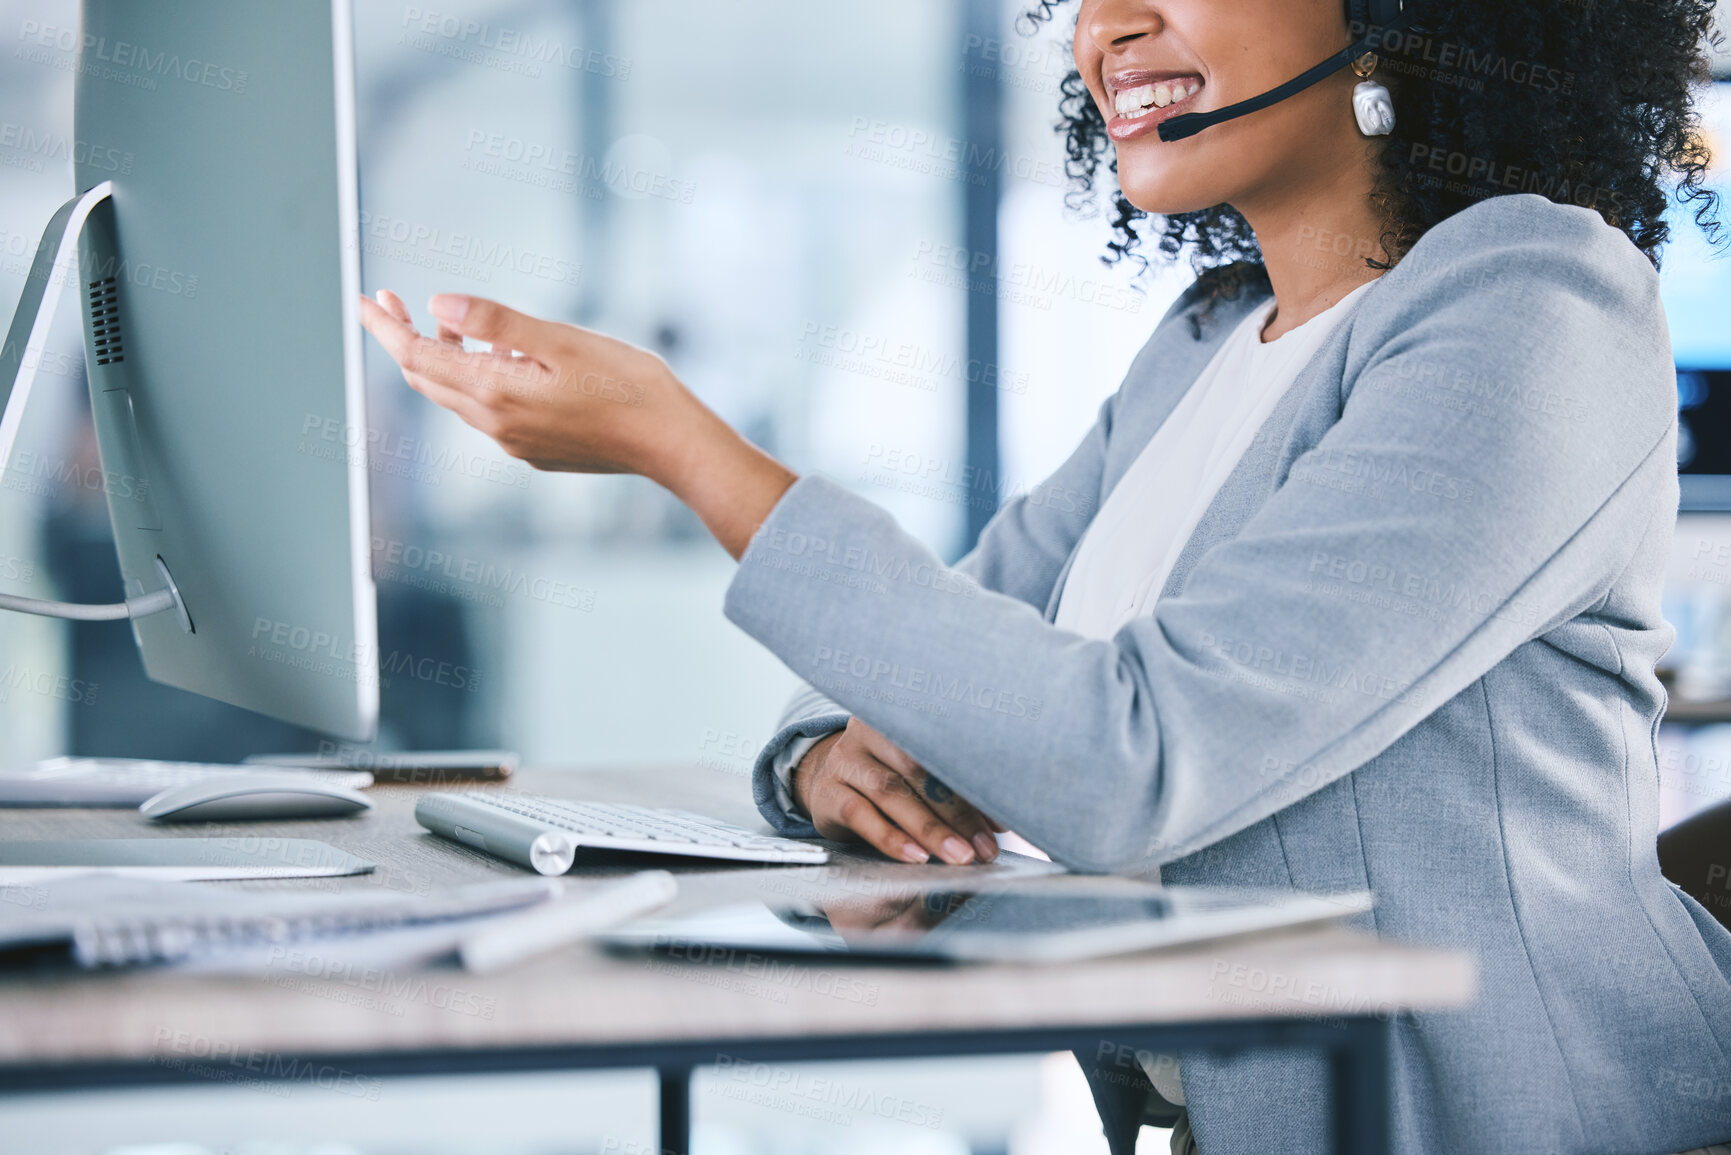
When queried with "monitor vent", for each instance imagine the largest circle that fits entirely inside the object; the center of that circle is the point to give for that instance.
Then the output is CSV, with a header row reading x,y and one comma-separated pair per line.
x,y
105,322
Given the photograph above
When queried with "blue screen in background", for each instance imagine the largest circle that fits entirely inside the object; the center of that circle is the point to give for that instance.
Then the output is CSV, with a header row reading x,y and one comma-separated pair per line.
x,y
1694,278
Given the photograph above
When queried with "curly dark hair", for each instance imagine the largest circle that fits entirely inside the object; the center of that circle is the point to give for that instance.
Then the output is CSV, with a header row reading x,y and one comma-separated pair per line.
x,y
1587,102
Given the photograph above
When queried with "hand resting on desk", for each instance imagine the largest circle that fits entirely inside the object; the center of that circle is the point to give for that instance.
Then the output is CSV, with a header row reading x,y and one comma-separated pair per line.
x,y
857,783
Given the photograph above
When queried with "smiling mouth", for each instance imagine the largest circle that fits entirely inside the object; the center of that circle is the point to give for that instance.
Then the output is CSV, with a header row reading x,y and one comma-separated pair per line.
x,y
1136,103
1139,101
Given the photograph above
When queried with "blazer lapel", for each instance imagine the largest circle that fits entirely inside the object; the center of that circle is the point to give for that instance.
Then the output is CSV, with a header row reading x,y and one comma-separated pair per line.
x,y
1299,419
1165,369
1161,374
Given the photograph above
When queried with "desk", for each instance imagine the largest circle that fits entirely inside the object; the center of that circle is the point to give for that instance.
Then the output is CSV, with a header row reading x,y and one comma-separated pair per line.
x,y
584,1008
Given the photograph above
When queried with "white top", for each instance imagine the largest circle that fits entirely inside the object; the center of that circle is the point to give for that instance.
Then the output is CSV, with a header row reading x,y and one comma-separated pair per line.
x,y
1130,547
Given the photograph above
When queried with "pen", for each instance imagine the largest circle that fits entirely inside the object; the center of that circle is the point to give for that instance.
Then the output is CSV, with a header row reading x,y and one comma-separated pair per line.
x,y
504,942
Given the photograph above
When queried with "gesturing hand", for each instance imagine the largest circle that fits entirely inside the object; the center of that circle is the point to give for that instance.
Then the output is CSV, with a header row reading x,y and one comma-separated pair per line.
x,y
567,398
857,783
555,395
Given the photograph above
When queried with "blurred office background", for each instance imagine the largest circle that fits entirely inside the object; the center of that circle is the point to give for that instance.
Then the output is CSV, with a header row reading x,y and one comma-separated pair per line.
x,y
844,225
788,201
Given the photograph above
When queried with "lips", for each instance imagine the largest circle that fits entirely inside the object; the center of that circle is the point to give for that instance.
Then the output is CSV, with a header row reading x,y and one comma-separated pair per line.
x,y
1124,81
1141,100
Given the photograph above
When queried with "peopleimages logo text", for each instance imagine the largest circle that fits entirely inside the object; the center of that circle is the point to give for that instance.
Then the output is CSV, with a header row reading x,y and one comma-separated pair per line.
x,y
515,42
137,57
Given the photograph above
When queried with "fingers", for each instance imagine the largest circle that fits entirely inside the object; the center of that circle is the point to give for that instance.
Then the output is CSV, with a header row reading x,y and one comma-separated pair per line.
x,y
847,813
855,792
404,345
503,328
488,377
396,334
894,795
393,305
960,814
870,915
432,361
388,321
381,323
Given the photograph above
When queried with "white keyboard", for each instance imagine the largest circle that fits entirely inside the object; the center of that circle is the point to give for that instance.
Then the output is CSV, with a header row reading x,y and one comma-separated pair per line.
x,y
129,781
545,834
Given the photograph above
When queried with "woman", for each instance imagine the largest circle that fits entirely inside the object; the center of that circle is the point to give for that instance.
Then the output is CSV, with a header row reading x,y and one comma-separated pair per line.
x,y
1354,584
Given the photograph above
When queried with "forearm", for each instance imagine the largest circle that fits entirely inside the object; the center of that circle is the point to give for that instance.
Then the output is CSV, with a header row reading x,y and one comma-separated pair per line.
x,y
729,483
1254,687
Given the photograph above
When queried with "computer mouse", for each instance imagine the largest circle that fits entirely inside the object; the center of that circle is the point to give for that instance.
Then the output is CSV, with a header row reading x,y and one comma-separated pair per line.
x,y
239,797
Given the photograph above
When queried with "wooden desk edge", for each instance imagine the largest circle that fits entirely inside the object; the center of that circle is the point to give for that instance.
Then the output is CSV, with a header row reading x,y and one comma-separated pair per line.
x,y
1333,973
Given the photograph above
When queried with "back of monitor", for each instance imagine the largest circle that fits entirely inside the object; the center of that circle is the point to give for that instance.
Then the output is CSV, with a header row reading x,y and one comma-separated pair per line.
x,y
223,342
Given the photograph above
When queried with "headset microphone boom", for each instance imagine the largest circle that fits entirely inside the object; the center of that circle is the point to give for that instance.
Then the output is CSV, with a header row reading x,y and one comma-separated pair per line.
x,y
1373,16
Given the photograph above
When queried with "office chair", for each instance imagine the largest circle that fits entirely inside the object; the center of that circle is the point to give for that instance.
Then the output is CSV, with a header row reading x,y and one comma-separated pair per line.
x,y
1696,855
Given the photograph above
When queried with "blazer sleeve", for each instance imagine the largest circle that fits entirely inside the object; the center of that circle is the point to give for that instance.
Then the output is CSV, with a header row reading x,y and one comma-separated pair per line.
x,y
1020,554
1519,348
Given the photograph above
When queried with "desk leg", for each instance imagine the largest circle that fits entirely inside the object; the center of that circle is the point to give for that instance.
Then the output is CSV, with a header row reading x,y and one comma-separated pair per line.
x,y
675,1094
1363,1111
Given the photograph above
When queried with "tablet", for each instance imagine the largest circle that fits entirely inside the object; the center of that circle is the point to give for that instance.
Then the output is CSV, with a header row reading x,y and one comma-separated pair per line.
x,y
996,925
175,859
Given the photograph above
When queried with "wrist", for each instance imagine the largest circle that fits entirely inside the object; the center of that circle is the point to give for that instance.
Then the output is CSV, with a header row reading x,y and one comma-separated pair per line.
x,y
675,436
728,482
806,768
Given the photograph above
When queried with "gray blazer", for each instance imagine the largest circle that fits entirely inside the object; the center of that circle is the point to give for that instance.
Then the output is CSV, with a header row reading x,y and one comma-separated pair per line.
x,y
1409,648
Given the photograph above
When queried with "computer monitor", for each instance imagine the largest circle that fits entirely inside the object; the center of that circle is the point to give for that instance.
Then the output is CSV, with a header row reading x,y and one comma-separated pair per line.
x,y
219,279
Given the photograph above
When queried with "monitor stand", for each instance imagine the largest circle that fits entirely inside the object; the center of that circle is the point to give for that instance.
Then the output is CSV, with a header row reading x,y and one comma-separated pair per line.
x,y
57,262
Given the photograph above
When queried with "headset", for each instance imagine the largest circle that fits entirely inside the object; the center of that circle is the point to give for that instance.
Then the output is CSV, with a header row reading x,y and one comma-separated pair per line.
x,y
1373,17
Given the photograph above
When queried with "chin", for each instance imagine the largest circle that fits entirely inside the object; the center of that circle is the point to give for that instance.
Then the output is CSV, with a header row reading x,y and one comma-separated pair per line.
x,y
1167,194
1155,182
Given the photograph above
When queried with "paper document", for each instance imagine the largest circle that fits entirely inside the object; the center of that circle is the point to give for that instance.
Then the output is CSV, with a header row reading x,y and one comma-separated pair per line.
x,y
106,921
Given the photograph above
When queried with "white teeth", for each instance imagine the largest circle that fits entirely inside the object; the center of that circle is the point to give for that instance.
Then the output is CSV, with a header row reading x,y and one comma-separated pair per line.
x,y
1136,102
1132,101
